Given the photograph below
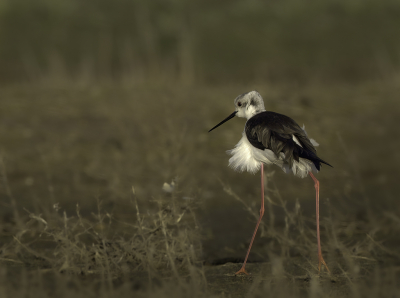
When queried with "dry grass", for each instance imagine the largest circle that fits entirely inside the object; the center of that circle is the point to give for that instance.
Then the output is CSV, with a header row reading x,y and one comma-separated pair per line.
x,y
73,225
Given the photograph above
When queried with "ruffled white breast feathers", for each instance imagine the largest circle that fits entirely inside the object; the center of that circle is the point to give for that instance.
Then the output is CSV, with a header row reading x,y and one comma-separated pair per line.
x,y
245,157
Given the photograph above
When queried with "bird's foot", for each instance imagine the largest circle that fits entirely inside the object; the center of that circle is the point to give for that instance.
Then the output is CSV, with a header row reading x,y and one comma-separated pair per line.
x,y
321,261
242,271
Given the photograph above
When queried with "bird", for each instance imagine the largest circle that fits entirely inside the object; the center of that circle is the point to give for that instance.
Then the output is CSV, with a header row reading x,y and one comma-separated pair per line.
x,y
272,138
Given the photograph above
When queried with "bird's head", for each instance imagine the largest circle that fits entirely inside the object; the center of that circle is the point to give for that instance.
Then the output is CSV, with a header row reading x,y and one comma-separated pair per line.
x,y
246,105
249,104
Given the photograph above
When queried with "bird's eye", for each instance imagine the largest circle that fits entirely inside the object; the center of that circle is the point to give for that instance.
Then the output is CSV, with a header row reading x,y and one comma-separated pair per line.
x,y
239,104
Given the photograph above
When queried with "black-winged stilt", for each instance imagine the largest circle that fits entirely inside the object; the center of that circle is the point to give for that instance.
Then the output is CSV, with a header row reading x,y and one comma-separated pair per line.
x,y
272,138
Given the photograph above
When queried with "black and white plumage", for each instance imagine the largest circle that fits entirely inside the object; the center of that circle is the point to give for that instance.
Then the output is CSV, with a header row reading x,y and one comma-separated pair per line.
x,y
272,138
281,141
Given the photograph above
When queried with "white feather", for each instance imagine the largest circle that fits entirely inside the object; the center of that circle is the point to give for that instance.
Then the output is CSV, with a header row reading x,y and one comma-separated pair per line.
x,y
314,143
296,140
243,157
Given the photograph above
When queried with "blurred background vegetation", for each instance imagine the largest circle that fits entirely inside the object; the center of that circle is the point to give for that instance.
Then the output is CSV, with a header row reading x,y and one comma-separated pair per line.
x,y
198,41
104,101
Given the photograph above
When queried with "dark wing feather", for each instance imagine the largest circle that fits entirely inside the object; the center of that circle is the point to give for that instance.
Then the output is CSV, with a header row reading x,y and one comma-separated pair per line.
x,y
273,131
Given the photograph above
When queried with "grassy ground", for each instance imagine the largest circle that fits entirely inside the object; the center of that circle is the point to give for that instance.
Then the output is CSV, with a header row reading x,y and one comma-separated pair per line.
x,y
84,211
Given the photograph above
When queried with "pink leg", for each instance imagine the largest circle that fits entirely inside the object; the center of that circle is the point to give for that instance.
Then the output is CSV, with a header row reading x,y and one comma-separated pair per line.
x,y
243,270
320,258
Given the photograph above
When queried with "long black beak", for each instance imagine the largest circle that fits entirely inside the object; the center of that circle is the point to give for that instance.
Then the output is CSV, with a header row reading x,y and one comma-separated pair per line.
x,y
223,121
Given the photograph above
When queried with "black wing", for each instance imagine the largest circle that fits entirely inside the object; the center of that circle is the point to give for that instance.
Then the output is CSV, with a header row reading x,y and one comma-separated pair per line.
x,y
273,131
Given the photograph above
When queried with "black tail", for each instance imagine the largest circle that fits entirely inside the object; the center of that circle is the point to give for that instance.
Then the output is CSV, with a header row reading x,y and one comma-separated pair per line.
x,y
319,161
313,157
